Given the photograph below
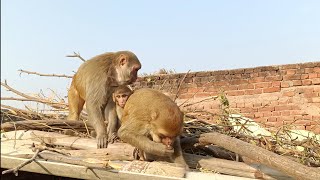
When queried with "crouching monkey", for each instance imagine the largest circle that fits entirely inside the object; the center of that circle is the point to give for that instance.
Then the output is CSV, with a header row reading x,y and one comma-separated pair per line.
x,y
152,122
94,84
120,97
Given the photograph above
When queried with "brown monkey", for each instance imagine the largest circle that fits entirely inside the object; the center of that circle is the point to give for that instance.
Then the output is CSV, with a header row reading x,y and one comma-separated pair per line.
x,y
94,83
120,97
152,122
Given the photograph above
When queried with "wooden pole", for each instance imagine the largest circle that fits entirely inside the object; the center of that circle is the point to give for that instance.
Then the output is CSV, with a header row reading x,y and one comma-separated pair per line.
x,y
261,155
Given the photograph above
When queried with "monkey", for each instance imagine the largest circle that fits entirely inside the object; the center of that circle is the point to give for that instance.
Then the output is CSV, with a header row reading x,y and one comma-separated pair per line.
x,y
153,123
94,83
120,97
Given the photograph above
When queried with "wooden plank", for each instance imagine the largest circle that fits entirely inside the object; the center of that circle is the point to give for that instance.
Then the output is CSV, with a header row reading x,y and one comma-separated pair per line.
x,y
75,171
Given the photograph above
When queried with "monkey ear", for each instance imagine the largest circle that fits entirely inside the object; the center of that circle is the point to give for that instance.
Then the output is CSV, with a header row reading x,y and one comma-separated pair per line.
x,y
123,59
113,98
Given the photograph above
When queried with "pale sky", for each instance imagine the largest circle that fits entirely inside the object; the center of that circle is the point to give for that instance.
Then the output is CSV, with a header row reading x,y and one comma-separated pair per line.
x,y
36,35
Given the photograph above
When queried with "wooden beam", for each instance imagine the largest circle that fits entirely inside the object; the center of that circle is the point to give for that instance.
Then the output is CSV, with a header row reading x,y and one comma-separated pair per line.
x,y
75,171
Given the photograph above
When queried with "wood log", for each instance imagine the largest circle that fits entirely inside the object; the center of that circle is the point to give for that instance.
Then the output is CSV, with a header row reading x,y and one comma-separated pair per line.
x,y
261,155
117,151
44,125
83,172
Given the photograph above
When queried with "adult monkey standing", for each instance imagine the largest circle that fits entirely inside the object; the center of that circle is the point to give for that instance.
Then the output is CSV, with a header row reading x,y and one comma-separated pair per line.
x,y
152,122
94,84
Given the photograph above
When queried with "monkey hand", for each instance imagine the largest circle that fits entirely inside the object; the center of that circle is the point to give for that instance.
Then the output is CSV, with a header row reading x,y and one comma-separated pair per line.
x,y
102,142
164,150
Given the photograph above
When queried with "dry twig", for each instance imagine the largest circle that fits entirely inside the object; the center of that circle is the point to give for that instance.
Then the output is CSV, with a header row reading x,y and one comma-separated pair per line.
x,y
76,55
40,74
16,169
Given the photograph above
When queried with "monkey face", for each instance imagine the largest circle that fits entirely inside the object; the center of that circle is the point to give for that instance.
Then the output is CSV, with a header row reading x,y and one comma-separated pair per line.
x,y
121,99
127,70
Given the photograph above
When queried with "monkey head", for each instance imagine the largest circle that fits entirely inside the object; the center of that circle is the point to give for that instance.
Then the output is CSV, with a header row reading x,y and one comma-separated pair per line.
x,y
167,130
121,95
127,66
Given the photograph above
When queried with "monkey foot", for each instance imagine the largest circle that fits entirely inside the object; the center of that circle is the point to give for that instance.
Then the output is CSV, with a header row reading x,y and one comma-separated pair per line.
x,y
113,138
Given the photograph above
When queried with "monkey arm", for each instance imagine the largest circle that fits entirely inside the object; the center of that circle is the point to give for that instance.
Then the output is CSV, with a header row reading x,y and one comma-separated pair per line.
x,y
111,116
97,121
129,132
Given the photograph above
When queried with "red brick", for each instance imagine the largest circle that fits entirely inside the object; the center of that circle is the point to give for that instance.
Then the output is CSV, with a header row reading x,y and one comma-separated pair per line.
x,y
221,83
285,113
271,89
258,114
306,82
267,114
316,69
261,119
316,81
296,112
300,127
240,105
286,84
262,85
308,70
185,96
211,89
292,77
285,101
194,90
307,117
252,91
202,94
235,93
248,110
245,86
257,104
274,124
316,100
303,122
276,84
290,93
274,78
310,94
291,71
276,113
282,108
287,118
237,82
271,119
304,76
257,79
266,109
313,75
297,82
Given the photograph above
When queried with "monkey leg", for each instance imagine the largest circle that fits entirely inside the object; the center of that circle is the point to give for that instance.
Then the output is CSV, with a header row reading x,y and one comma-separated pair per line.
x,y
75,104
135,133
96,118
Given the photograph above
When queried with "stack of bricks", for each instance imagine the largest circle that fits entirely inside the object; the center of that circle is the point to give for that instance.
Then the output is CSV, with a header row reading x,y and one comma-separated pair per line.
x,y
273,95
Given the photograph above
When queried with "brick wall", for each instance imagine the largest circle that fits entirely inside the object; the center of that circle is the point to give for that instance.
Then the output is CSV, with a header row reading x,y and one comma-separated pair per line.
x,y
272,95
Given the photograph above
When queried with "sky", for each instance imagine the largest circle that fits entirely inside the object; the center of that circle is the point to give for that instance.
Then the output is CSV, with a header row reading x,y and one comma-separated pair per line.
x,y
178,35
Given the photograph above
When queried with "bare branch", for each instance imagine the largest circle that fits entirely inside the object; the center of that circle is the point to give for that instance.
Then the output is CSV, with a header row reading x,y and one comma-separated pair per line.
x,y
177,94
32,98
40,74
16,169
76,55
